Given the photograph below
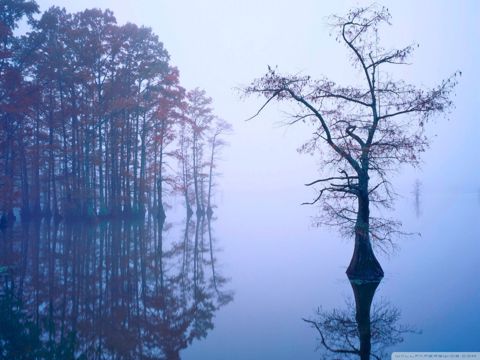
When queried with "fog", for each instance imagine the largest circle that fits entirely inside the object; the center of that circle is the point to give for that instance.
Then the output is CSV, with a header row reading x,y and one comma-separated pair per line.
x,y
222,45
281,266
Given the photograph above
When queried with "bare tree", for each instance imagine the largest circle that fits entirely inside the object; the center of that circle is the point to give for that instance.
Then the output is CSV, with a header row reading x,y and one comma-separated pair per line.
x,y
216,142
363,131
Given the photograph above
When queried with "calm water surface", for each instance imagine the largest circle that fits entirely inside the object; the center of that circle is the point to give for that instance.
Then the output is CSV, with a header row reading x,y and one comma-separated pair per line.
x,y
283,270
114,290
238,287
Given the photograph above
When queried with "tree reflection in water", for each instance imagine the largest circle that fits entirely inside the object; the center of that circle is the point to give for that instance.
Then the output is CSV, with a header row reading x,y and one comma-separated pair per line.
x,y
361,330
113,290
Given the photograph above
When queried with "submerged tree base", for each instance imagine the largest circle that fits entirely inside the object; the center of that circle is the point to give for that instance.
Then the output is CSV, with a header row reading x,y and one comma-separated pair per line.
x,y
364,266
131,214
370,273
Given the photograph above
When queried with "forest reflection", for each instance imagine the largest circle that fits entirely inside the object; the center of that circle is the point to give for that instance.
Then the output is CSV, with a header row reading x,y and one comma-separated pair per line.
x,y
120,290
361,330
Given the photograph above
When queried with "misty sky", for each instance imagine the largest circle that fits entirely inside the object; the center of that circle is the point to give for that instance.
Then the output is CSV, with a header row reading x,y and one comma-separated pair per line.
x,y
219,45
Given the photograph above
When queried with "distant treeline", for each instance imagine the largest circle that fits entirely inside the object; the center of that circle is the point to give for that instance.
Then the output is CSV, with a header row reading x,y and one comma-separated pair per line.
x,y
94,121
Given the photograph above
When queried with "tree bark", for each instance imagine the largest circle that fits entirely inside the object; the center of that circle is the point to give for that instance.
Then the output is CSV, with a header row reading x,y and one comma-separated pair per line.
x,y
363,265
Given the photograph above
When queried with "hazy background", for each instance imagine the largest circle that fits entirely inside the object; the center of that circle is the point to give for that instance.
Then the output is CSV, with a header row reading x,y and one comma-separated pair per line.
x,y
281,267
220,45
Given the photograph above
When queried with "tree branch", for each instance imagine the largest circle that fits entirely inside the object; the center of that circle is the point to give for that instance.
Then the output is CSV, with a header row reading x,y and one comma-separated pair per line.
x,y
331,178
264,105
341,152
349,130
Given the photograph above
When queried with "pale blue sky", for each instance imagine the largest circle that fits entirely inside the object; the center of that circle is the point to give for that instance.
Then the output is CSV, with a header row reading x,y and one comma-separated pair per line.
x,y
220,44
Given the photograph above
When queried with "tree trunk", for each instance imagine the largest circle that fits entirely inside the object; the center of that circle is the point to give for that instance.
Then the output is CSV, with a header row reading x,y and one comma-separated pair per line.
x,y
210,179
25,212
364,265
143,168
195,158
36,169
160,209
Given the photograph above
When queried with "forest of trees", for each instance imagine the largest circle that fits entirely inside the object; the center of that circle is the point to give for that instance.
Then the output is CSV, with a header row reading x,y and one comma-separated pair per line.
x,y
94,122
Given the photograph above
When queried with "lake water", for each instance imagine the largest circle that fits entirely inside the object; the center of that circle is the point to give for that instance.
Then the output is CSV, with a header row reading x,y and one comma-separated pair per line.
x,y
283,269
236,287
